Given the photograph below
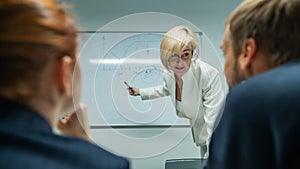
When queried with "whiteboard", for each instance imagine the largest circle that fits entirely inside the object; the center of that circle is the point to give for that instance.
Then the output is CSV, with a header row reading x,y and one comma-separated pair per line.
x,y
108,59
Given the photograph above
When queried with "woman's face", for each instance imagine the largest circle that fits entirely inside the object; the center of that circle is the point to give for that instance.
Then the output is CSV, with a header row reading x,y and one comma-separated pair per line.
x,y
180,62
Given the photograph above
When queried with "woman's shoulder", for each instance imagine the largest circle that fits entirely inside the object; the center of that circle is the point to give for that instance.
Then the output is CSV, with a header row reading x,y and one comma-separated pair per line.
x,y
204,68
168,74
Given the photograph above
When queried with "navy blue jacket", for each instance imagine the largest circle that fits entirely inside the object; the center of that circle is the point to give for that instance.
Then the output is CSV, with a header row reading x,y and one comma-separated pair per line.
x,y
27,141
260,126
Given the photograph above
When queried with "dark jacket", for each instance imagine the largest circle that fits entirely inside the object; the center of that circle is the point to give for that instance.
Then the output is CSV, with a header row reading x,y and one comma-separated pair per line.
x,y
27,141
260,126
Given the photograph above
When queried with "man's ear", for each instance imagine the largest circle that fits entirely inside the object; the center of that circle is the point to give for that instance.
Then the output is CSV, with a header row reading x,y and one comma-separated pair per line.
x,y
249,50
64,75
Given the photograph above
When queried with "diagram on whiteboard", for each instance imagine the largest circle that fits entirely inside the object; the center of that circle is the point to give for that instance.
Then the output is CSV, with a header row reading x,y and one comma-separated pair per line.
x,y
110,58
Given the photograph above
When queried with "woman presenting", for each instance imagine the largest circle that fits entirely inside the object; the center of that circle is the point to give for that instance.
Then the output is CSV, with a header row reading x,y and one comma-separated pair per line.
x,y
193,85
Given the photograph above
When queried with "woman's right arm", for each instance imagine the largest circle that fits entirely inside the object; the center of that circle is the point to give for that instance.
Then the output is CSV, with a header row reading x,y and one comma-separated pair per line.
x,y
150,92
154,92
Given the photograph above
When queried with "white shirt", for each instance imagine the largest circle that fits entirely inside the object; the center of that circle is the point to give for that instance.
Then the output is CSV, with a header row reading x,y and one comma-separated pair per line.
x,y
201,100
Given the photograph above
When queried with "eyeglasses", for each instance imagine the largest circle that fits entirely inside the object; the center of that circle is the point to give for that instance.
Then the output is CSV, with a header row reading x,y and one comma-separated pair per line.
x,y
185,55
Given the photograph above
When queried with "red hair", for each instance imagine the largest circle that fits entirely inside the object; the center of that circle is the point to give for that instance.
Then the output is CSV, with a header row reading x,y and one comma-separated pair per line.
x,y
33,33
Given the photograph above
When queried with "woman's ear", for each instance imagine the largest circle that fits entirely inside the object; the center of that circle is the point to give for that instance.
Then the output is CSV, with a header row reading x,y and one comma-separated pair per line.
x,y
64,75
249,50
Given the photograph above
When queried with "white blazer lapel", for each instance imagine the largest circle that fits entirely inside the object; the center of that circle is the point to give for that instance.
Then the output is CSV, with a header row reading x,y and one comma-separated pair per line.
x,y
190,95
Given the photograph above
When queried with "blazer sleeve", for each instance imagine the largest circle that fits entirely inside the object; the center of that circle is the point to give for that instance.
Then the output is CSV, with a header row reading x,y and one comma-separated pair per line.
x,y
155,92
213,100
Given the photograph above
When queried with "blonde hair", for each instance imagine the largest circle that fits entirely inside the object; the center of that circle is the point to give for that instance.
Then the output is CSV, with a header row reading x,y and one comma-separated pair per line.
x,y
175,40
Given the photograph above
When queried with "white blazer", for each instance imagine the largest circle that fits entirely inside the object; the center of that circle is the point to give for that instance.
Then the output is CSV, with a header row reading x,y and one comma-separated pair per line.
x,y
202,97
